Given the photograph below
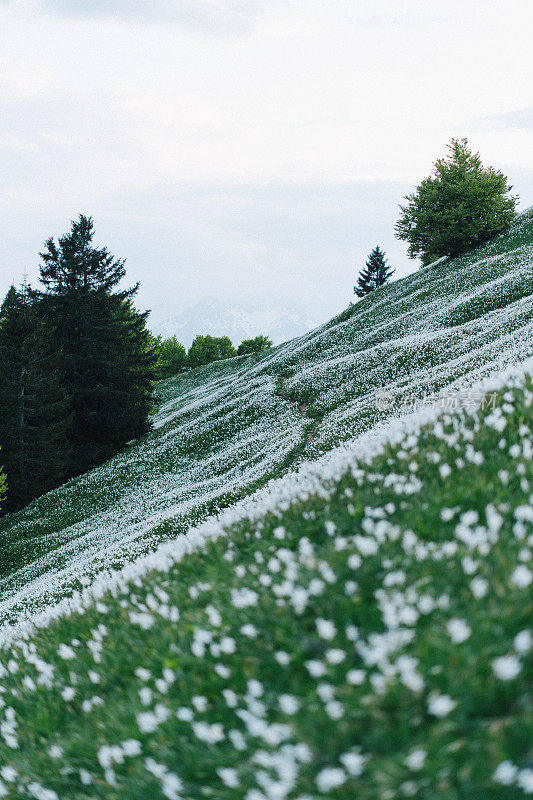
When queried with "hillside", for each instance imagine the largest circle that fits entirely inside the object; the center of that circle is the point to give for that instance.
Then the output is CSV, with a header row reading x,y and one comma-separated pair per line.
x,y
366,587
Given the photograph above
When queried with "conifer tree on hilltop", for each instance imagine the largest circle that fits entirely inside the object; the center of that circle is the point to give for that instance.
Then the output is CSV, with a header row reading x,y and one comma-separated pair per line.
x,y
34,416
376,273
107,351
460,206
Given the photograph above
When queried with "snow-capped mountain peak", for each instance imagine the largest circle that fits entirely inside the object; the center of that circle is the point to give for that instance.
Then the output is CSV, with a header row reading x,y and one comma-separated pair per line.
x,y
238,321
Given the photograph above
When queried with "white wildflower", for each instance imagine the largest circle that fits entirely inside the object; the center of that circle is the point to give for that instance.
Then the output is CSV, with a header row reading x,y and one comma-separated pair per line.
x,y
330,778
505,773
415,760
458,630
522,576
66,652
506,668
440,705
288,704
326,629
525,780
229,777
354,763
523,642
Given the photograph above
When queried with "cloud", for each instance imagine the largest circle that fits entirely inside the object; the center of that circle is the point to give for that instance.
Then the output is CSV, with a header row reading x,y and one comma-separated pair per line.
x,y
220,17
520,119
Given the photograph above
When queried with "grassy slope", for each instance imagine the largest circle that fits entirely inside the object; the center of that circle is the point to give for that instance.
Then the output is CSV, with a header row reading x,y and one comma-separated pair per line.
x,y
344,644
373,642
226,429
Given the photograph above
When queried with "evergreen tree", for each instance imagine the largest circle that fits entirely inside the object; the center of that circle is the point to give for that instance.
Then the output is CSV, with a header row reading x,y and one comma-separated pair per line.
x,y
460,206
108,356
11,298
34,419
376,273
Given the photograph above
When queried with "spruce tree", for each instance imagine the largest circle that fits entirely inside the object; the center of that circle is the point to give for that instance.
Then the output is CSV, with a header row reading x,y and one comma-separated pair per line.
x,y
375,274
34,417
460,206
109,360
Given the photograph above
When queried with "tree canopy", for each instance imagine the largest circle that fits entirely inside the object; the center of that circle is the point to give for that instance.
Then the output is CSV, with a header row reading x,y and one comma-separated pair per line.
x,y
458,207
171,357
255,345
205,349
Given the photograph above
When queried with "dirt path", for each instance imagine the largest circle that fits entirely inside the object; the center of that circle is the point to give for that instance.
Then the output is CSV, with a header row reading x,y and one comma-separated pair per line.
x,y
303,406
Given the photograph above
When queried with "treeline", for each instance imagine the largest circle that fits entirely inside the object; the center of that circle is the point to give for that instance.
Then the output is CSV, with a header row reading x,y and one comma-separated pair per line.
x,y
173,358
77,367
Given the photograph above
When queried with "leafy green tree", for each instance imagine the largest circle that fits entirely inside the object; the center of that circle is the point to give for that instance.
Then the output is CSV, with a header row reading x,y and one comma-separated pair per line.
x,y
256,345
376,273
34,414
206,349
460,206
171,356
108,357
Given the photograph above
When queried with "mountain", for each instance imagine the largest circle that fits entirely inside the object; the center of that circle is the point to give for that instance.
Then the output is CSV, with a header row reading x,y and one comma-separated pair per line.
x,y
238,321
313,577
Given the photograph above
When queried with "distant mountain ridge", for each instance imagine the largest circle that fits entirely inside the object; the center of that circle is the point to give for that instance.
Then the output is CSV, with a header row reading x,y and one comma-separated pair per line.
x,y
238,321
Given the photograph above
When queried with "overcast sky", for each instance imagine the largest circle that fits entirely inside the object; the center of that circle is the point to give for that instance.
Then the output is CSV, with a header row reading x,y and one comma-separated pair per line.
x,y
239,148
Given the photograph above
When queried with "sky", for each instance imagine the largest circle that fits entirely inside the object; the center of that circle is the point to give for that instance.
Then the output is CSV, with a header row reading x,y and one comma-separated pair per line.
x,y
246,149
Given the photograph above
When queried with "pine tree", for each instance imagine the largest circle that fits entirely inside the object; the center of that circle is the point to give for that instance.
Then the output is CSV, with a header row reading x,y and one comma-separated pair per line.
x,y
376,273
109,360
34,420
460,206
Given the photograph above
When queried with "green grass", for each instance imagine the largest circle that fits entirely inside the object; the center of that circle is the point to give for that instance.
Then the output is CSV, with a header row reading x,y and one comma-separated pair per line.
x,y
391,554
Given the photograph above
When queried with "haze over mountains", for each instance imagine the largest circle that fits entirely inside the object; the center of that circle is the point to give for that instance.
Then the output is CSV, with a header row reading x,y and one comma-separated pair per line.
x,y
238,321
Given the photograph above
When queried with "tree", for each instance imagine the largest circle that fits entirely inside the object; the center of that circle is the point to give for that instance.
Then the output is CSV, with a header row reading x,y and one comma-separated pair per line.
x,y
376,273
206,349
34,416
256,345
171,356
460,206
107,351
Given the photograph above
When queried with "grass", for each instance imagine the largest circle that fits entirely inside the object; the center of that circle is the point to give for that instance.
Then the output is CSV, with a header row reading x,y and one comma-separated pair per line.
x,y
371,642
